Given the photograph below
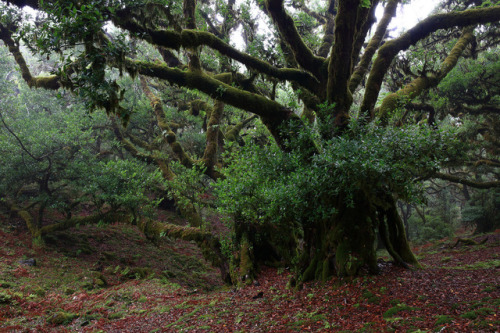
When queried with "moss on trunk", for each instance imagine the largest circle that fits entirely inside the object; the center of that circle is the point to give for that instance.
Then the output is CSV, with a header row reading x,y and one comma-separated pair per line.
x,y
345,244
209,244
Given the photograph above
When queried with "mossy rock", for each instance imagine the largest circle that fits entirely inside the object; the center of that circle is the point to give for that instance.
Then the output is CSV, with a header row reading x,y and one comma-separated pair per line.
x,y
61,318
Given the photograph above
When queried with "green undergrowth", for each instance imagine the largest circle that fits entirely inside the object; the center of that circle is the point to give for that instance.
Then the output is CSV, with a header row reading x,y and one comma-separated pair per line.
x,y
487,264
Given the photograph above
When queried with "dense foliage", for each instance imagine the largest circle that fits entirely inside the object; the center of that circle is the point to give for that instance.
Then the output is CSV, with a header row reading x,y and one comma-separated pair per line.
x,y
57,157
267,184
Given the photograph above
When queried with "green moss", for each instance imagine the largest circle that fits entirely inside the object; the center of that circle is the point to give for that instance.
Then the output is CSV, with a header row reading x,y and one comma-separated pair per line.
x,y
310,270
69,291
116,315
443,319
394,302
61,318
481,312
136,272
371,297
246,263
47,82
396,309
5,298
326,270
39,291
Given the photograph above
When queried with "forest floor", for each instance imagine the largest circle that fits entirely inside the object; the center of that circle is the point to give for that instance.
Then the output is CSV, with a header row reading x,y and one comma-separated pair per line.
x,y
110,278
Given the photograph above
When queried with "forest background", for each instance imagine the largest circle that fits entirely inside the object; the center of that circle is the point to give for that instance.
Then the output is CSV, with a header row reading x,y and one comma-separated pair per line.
x,y
317,139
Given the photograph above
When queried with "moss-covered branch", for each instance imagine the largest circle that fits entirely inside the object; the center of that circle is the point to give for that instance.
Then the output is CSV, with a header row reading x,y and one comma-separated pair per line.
x,y
47,82
128,145
81,220
340,65
233,133
189,38
362,67
23,213
491,163
303,55
420,84
433,23
157,106
271,112
366,19
328,29
209,244
464,181
212,141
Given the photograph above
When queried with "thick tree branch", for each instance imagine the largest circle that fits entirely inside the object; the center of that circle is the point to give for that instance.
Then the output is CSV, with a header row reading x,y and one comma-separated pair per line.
x,y
366,19
468,182
433,23
189,8
47,82
210,154
214,88
157,106
304,56
362,67
328,30
129,146
233,133
192,39
82,220
340,65
209,243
